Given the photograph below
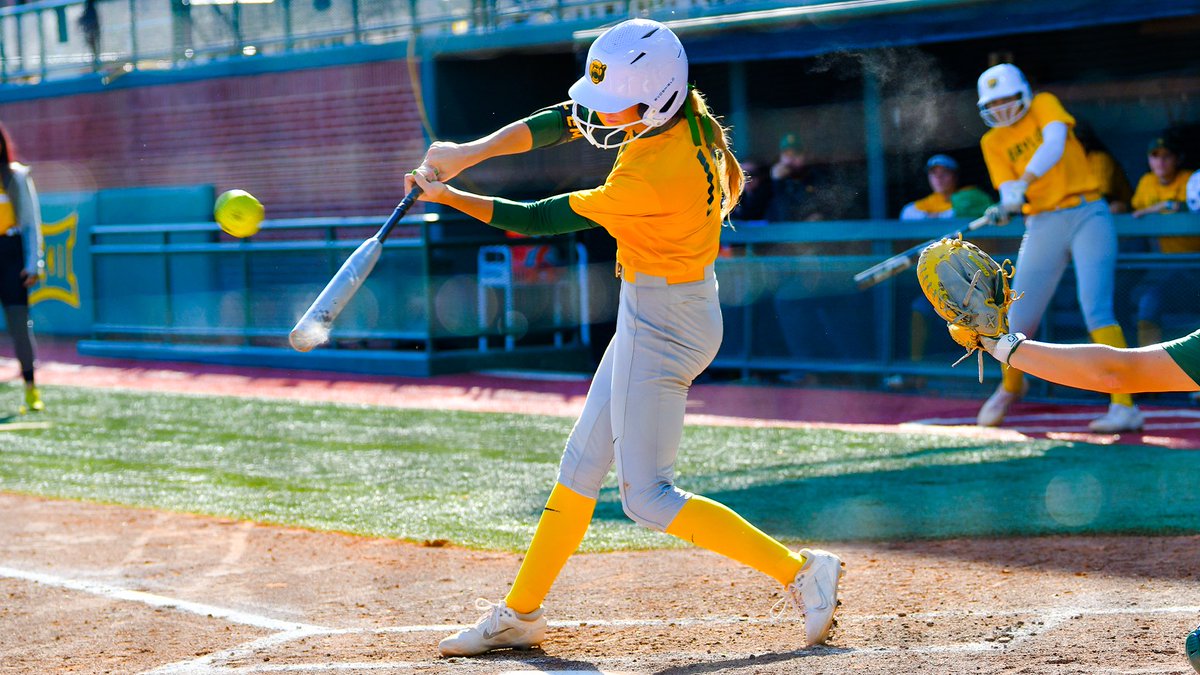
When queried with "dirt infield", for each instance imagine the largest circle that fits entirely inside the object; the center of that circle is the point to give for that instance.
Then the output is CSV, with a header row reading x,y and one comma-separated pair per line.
x,y
219,596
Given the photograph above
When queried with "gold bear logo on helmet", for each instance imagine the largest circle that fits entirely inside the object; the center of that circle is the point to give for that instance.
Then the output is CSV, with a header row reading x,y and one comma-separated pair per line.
x,y
992,82
596,70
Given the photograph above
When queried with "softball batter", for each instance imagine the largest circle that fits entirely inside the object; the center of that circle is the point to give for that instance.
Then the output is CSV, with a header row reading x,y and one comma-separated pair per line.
x,y
21,261
1040,169
673,182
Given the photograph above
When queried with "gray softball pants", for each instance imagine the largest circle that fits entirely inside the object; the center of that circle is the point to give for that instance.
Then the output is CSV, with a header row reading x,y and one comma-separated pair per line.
x,y
1084,233
666,335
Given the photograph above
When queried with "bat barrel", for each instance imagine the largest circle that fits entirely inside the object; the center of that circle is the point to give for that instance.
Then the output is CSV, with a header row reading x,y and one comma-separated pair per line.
x,y
884,270
313,327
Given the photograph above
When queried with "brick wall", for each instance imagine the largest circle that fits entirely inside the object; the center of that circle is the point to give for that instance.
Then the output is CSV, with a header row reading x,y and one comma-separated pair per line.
x,y
327,141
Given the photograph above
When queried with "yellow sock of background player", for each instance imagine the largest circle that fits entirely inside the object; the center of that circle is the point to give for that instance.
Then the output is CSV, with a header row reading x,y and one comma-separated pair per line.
x,y
1013,379
1113,337
561,528
718,528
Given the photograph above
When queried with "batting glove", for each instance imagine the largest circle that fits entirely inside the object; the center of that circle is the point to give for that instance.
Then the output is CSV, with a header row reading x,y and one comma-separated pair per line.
x,y
996,215
1012,195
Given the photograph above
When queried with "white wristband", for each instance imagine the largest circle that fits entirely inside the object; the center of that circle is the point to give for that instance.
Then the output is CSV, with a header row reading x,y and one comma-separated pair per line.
x,y
1007,344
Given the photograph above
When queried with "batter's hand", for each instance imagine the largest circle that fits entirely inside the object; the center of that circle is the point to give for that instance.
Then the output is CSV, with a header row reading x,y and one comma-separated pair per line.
x,y
448,159
1012,195
426,178
29,278
996,215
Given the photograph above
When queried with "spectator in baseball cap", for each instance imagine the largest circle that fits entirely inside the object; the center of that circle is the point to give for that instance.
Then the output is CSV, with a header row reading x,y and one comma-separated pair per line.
x,y
946,199
793,183
1163,189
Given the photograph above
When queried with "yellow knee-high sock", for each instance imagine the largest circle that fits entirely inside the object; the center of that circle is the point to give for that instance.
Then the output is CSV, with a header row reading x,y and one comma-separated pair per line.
x,y
561,528
1113,337
1149,333
718,528
919,332
1013,379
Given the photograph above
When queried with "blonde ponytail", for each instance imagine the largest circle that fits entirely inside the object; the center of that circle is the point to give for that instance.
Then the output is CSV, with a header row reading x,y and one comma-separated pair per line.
x,y
716,137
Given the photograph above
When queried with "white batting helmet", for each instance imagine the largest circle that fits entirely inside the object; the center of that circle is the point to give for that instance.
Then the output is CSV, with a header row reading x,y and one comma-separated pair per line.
x,y
1193,192
1002,81
635,62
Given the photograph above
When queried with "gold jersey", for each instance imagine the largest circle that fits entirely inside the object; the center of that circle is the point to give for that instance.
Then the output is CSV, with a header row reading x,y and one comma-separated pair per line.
x,y
662,203
1150,192
1007,151
935,204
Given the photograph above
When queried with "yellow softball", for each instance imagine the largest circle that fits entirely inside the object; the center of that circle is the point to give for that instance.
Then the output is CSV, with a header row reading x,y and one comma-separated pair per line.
x,y
238,213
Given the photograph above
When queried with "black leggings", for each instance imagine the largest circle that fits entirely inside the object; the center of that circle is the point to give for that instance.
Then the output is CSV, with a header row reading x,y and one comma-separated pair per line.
x,y
15,298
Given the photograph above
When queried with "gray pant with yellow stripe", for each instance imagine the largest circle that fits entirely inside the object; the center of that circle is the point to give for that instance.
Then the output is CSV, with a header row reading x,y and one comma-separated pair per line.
x,y
666,335
1084,233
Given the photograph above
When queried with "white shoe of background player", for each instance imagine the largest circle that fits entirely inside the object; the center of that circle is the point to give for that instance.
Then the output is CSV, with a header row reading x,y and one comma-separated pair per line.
x,y
996,407
814,593
499,628
1118,418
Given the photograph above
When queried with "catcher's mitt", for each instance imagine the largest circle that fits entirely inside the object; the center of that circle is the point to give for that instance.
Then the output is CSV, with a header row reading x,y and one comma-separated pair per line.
x,y
968,289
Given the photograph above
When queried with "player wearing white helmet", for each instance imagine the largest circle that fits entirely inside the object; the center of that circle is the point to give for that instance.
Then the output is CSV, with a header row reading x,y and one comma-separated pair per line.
x,y
673,182
1041,170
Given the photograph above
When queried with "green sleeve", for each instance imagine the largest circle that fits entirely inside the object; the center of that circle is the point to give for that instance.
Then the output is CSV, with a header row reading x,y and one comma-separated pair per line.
x,y
969,202
546,216
552,126
1186,353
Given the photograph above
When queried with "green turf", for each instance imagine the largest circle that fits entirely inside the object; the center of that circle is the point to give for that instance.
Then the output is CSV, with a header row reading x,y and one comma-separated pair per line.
x,y
481,479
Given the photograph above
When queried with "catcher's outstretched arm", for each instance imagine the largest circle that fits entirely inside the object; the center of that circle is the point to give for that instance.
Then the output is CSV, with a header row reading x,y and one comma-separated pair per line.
x,y
1098,367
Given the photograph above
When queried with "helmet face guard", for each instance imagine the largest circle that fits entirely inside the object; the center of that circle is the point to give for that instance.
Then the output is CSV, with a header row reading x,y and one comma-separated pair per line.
x,y
1003,81
1005,114
604,136
636,62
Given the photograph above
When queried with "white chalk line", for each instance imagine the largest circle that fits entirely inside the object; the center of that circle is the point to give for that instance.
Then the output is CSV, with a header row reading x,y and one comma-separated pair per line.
x,y
154,600
206,664
1047,619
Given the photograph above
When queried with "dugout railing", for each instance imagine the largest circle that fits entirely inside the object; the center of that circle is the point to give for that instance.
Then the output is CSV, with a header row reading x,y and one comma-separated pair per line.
x,y
792,310
439,302
187,292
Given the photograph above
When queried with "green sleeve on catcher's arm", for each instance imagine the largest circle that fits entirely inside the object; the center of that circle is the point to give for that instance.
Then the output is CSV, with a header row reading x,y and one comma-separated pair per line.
x,y
545,216
553,126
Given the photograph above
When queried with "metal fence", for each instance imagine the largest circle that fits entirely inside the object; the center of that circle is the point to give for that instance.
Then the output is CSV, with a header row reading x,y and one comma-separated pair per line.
x,y
47,40
462,292
434,302
792,309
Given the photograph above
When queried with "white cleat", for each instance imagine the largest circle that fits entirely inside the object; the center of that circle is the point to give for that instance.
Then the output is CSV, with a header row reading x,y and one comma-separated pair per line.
x,y
1118,418
814,594
499,628
996,407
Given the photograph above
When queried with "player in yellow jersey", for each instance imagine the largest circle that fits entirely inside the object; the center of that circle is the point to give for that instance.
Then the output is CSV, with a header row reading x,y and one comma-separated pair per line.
x,y
673,182
947,199
1163,189
21,261
1041,170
